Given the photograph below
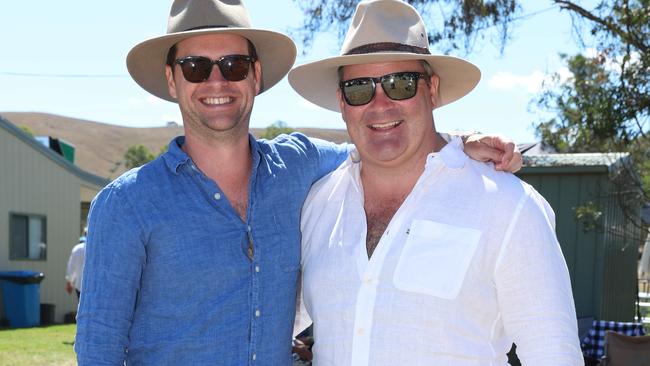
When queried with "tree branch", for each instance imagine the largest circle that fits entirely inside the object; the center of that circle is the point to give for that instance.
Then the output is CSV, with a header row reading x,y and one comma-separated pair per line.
x,y
629,38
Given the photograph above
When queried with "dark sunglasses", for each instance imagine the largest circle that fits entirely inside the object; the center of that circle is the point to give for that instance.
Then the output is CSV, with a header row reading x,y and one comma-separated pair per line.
x,y
397,86
197,69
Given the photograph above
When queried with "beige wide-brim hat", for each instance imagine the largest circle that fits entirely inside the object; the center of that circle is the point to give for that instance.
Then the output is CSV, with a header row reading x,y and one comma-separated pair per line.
x,y
383,31
188,18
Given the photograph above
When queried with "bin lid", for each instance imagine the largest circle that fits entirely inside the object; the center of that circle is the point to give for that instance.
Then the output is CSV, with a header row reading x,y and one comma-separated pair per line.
x,y
22,277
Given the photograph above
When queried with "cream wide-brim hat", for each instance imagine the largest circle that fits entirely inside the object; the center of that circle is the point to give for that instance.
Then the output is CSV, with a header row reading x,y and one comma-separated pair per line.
x,y
383,31
189,18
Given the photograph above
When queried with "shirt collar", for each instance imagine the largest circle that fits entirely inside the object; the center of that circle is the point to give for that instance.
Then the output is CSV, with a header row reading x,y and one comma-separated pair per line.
x,y
451,155
175,157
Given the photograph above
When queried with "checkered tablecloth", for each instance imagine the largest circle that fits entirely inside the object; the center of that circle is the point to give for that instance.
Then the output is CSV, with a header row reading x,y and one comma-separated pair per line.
x,y
593,343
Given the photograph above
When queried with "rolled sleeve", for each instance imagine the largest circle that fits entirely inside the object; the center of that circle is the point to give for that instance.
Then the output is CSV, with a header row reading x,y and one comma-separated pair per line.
x,y
115,256
534,288
327,155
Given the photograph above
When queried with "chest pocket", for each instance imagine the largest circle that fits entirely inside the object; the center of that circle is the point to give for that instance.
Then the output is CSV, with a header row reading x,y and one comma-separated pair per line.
x,y
435,258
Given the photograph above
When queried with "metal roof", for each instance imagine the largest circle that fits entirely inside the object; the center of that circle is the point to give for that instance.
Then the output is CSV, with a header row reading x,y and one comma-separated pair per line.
x,y
52,155
583,159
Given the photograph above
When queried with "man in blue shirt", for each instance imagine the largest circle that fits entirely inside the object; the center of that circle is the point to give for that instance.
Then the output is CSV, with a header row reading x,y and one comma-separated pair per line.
x,y
193,258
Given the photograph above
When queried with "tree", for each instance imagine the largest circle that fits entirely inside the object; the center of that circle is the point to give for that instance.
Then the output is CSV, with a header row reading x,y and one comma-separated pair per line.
x,y
136,156
27,130
276,129
605,104
592,113
462,23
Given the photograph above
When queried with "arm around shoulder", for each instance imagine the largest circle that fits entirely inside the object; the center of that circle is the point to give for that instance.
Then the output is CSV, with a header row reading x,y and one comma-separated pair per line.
x,y
501,151
326,155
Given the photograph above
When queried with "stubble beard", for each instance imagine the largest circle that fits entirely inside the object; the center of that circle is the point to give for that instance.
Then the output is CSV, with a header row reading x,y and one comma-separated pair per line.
x,y
209,130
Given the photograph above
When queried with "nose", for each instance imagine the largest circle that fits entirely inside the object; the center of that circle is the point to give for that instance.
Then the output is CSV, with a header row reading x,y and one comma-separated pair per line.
x,y
381,99
215,74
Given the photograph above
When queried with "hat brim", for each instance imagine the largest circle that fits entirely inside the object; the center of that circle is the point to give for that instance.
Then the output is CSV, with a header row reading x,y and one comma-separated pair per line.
x,y
318,81
146,61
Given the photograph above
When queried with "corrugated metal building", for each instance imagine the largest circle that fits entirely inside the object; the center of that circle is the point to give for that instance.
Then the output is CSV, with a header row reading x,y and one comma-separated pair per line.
x,y
44,202
602,251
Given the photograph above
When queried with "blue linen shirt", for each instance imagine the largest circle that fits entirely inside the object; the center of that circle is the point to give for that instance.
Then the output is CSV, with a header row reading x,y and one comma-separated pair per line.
x,y
168,279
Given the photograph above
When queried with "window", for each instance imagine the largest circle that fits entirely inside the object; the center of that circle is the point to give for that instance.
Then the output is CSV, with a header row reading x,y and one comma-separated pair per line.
x,y
27,238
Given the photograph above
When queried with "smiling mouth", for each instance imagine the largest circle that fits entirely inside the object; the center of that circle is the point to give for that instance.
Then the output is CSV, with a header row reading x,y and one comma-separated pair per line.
x,y
385,126
217,101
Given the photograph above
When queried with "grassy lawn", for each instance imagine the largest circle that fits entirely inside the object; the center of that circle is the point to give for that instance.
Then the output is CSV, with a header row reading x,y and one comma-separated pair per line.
x,y
41,346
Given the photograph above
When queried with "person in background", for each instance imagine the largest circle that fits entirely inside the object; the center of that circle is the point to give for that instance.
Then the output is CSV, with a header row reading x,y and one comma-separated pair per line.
x,y
74,272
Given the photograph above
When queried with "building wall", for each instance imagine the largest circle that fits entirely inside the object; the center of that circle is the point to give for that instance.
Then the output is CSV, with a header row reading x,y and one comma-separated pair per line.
x,y
622,241
581,249
31,183
602,267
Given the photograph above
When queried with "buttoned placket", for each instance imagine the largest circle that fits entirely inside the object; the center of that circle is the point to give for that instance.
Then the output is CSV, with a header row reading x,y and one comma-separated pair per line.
x,y
370,269
255,266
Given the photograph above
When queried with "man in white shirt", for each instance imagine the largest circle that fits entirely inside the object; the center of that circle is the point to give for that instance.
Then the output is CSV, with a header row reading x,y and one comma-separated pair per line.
x,y
412,253
74,272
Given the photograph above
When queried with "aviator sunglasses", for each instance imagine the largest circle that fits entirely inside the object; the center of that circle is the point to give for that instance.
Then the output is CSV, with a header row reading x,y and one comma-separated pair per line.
x,y
197,69
397,86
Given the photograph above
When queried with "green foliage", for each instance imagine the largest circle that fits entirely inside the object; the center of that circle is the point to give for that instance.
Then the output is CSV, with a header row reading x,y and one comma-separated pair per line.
x,y
137,155
589,114
27,130
276,129
589,215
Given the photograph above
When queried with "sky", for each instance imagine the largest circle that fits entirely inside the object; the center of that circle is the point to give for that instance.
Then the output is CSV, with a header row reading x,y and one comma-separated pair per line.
x,y
68,58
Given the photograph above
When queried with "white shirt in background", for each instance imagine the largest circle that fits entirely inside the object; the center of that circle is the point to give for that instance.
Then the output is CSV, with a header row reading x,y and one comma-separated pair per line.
x,y
74,273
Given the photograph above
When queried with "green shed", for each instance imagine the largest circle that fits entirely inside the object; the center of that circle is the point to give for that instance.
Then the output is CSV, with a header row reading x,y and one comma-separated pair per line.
x,y
601,248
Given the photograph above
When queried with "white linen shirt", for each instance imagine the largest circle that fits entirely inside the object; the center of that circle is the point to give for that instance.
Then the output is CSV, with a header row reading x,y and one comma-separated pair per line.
x,y
468,264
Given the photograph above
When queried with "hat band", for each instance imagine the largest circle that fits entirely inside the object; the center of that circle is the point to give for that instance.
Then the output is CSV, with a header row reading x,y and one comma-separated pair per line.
x,y
385,47
206,27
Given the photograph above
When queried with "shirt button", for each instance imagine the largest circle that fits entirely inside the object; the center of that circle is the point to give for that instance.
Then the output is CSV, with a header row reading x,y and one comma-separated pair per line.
x,y
360,332
254,356
257,313
217,196
257,269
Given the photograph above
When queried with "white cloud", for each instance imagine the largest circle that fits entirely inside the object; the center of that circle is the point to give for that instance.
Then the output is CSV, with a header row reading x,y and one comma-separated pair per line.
x,y
614,64
531,83
564,73
591,53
